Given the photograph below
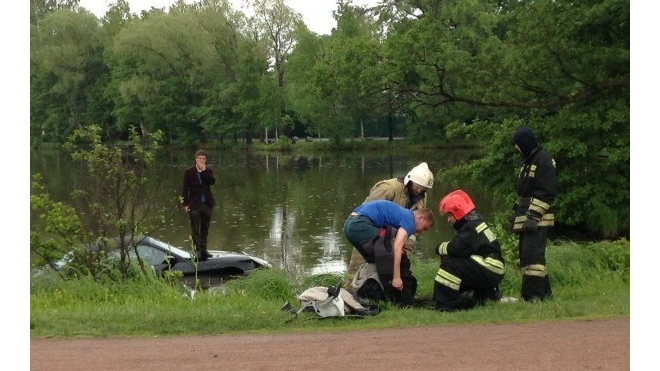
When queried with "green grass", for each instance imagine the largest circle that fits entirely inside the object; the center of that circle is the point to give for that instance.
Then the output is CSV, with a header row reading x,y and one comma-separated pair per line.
x,y
589,281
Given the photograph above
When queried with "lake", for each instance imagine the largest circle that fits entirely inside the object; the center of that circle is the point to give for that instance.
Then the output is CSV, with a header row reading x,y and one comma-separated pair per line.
x,y
287,209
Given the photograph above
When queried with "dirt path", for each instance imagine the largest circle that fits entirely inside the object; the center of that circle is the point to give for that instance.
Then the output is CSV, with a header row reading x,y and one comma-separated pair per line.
x,y
563,345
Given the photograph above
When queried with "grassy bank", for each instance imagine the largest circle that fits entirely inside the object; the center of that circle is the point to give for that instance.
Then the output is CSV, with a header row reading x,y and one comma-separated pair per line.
x,y
589,281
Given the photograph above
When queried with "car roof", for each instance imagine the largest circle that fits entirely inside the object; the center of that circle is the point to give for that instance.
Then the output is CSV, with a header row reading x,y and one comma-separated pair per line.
x,y
150,241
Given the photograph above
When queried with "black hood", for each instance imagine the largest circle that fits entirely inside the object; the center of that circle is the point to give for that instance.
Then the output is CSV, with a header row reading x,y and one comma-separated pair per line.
x,y
525,140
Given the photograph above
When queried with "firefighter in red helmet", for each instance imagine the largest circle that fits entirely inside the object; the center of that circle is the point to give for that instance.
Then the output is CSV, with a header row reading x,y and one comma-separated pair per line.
x,y
471,265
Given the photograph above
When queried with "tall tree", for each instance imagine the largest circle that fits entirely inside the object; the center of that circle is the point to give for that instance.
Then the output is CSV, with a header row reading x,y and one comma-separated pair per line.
x,y
40,8
309,85
65,50
565,74
160,73
251,68
357,47
276,23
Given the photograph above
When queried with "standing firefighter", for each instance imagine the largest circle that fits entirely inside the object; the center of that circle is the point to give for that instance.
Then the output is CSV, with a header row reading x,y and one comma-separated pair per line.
x,y
533,215
471,266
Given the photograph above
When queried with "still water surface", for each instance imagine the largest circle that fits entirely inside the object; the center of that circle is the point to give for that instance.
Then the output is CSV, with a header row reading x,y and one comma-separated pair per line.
x,y
287,209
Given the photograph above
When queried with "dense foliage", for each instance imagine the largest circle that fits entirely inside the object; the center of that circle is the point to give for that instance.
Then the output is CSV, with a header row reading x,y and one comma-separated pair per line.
x,y
429,70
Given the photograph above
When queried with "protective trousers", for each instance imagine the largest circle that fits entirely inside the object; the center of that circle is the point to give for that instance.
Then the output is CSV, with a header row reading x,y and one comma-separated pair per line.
x,y
458,276
535,279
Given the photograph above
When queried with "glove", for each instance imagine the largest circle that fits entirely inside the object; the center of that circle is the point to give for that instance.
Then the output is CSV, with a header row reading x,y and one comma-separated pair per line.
x,y
409,245
509,225
530,225
442,248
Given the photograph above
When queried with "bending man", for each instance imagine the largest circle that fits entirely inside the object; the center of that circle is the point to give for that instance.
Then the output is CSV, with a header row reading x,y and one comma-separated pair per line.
x,y
378,230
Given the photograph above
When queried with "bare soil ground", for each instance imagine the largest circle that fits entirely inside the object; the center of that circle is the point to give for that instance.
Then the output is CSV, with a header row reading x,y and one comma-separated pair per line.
x,y
561,345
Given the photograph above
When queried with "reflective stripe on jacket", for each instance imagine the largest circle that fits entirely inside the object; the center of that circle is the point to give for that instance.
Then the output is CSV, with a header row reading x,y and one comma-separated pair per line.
x,y
536,190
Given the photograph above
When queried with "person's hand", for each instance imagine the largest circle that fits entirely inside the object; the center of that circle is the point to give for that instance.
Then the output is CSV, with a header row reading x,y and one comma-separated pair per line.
x,y
185,208
510,222
530,225
397,283
200,163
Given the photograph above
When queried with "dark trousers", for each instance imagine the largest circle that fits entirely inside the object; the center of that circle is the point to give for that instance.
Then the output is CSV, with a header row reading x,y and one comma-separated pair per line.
x,y
405,297
535,279
361,233
200,221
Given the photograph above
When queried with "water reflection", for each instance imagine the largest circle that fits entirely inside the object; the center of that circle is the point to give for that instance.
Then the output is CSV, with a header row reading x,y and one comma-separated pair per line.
x,y
287,209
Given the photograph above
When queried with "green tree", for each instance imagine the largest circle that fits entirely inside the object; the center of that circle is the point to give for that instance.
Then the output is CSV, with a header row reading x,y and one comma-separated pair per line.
x,y
115,203
306,89
276,25
54,226
561,68
251,69
40,8
65,66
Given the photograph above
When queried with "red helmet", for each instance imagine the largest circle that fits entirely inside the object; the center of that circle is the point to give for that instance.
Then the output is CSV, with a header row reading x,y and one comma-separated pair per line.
x,y
458,203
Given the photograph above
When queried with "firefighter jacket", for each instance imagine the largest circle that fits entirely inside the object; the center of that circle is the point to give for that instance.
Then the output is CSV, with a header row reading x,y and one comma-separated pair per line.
x,y
536,190
394,190
475,240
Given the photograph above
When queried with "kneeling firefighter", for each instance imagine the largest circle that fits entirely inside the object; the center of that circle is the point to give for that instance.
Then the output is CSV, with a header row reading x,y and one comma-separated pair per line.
x,y
471,266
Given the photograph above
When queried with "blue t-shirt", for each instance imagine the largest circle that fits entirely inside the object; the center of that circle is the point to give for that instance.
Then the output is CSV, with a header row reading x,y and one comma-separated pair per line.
x,y
385,213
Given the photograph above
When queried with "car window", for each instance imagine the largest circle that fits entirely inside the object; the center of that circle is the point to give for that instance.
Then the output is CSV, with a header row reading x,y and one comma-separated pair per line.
x,y
148,254
175,250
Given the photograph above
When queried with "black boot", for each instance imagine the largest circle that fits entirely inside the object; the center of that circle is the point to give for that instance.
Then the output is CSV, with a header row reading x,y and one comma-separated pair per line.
x,y
483,296
203,255
535,288
464,302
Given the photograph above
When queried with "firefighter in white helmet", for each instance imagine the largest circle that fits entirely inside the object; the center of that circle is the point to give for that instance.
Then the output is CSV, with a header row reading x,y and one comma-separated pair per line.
x,y
410,192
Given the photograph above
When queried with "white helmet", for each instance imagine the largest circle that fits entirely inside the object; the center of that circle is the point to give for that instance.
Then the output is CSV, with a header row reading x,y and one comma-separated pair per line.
x,y
421,175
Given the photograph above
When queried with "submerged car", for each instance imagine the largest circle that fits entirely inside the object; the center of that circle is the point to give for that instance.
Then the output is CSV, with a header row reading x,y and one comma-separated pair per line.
x,y
163,257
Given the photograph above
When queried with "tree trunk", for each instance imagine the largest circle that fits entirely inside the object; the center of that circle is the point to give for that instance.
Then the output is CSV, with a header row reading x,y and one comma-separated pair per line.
x,y
361,128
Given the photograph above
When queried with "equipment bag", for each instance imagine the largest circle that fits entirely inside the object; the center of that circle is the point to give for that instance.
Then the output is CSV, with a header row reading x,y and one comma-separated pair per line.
x,y
332,301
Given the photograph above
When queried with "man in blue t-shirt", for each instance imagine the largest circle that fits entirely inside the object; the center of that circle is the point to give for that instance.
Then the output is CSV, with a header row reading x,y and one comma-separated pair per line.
x,y
378,230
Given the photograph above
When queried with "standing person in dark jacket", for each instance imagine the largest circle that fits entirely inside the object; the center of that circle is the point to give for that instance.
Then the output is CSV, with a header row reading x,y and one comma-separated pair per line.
x,y
471,266
197,201
533,215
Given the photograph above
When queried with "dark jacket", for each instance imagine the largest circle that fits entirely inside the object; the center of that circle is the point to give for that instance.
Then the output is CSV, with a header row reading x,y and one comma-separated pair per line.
x,y
537,176
536,189
192,189
474,237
